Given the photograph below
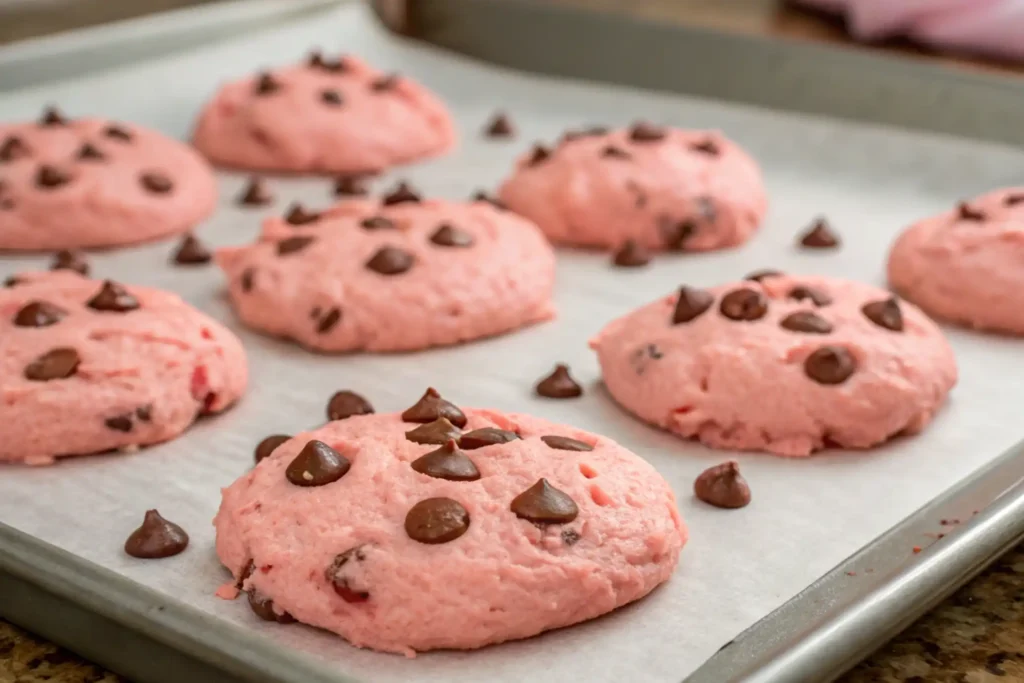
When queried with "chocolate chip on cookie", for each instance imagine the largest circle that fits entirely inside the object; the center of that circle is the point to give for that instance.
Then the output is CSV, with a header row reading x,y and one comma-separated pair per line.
x,y
59,363
266,84
544,504
114,298
331,98
439,431
297,215
646,132
690,304
117,132
830,365
448,235
707,146
402,194
317,464
347,403
744,305
966,212
120,423
52,117
39,314
390,261
447,462
614,152
90,152
817,296
13,148
268,445
538,155
631,254
564,443
50,177
486,436
329,320
157,183
806,321
295,244
436,520
431,406
385,83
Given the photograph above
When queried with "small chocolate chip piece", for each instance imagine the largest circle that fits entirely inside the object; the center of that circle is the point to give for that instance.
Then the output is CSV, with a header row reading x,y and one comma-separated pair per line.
x,y
431,406
378,223
631,254
820,236
255,193
264,609
191,252
646,132
447,462
145,413
38,314
966,212
401,194
885,313
52,117
817,297
707,146
486,436
385,83
331,98
390,261
436,520
448,235
1011,199
559,384
248,279
114,298
499,127
294,244
49,177
830,365
120,423
350,186
59,363
156,538
117,132
329,320
723,486
481,196
266,84
564,443
759,275
570,536
157,183
269,445
674,234
544,504
317,464
691,304
437,432
744,305
13,148
89,152
297,215
806,321
613,152
341,584
538,155
347,403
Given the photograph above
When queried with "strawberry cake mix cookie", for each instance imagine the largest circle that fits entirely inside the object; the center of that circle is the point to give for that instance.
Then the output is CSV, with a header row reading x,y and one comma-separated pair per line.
x,y
397,274
90,366
75,183
782,364
663,188
446,528
967,265
323,116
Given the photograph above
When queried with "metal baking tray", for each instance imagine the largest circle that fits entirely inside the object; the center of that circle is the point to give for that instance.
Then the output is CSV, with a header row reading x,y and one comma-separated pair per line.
x,y
150,637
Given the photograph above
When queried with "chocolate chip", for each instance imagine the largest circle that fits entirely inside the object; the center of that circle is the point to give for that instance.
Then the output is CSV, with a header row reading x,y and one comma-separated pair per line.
x,y
350,186
447,462
255,193
400,195
707,146
266,84
966,212
486,436
646,132
559,384
564,443
347,403
390,261
264,609
885,313
544,504
269,445
378,223
11,281
59,363
830,365
806,321
691,304
157,183
117,132
1010,200
52,117
144,413
817,297
38,314
447,235
538,155
436,520
297,215
341,584
317,61
631,254
481,196
329,321
437,432
248,279
744,305
191,252
723,486
317,464
570,536
385,83
332,98
431,406
156,538
89,152
293,244
613,152
499,127
674,233
13,148
50,177
759,275
112,297
820,236
120,423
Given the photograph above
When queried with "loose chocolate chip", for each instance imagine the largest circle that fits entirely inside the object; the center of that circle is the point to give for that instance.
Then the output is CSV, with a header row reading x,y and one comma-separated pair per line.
x,y
691,304
538,155
674,234
707,146
820,236
332,98
191,252
544,504
448,235
645,132
723,486
248,279
144,413
49,177
350,186
806,321
157,183
297,215
390,261
385,83
117,132
52,117
401,194
378,223
269,445
499,127
817,297
481,196
59,363
613,152
436,520
70,260
120,423
38,314
830,365
13,148
341,584
89,152
329,321
966,212
266,84
885,313
631,254
744,305
255,193
431,406
570,536
317,61
1011,199
293,244
564,443
347,403
317,464
112,297
447,462
437,432
759,275
559,384
156,538
264,609
486,436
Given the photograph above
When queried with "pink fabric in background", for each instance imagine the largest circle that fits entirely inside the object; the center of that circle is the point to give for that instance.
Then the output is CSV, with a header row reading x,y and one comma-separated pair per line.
x,y
994,27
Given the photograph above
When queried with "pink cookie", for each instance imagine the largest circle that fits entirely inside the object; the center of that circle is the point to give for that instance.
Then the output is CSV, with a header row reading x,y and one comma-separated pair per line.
x,y
967,265
89,366
369,275
788,365
324,116
405,546
663,187
68,184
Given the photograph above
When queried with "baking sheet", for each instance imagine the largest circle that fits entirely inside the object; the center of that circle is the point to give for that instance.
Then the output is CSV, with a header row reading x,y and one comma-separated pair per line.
x,y
806,515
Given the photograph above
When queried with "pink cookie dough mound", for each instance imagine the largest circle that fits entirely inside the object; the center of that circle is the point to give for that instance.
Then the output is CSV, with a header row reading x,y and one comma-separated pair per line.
x,y
788,365
90,366
663,187
379,276
967,265
512,527
323,116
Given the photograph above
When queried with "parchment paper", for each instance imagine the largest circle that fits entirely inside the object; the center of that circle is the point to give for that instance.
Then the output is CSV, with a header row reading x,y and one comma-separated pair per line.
x,y
806,515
